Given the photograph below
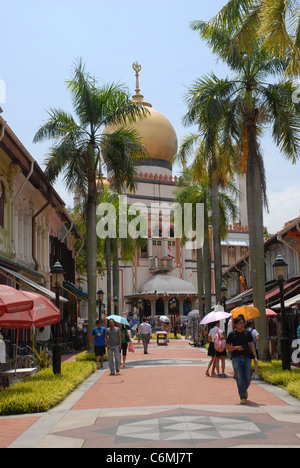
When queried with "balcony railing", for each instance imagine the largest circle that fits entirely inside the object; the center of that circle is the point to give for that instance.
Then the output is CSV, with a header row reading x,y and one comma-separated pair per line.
x,y
158,265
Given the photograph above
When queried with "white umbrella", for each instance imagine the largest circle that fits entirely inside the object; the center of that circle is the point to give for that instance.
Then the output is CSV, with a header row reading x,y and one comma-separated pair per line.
x,y
164,318
215,317
194,314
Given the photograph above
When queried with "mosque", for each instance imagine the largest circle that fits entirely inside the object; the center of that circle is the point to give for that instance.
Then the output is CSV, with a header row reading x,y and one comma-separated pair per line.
x,y
163,270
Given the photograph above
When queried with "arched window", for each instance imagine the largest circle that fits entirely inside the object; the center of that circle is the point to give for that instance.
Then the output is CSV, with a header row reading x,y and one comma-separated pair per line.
x,y
2,196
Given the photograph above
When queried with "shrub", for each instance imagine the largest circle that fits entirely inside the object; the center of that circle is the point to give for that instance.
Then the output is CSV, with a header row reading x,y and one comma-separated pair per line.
x,y
44,390
89,357
42,360
289,380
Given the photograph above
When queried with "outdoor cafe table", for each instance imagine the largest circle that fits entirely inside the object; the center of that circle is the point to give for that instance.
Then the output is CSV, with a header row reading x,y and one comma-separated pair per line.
x,y
162,335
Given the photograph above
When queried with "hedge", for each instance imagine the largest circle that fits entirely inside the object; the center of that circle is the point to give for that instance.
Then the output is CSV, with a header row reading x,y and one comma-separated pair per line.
x,y
288,380
43,391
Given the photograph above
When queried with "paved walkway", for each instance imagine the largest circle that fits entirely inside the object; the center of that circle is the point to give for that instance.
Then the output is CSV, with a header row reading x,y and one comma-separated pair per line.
x,y
161,400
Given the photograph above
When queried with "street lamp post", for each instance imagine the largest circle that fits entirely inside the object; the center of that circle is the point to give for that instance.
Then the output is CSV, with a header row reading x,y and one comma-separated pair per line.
x,y
223,295
116,305
141,309
203,305
58,273
100,295
280,269
173,308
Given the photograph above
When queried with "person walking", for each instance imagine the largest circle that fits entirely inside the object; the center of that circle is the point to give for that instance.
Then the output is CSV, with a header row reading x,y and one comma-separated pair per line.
x,y
98,341
211,349
255,336
113,343
238,342
145,332
215,354
125,339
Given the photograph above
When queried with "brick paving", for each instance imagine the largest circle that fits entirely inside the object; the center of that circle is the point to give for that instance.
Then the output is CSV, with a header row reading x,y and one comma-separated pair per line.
x,y
162,399
12,428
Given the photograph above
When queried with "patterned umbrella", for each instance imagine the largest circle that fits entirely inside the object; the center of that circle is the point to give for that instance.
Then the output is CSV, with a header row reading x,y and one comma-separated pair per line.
x,y
43,313
12,300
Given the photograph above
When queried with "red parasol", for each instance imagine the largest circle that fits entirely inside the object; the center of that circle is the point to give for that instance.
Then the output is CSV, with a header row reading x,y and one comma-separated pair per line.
x,y
42,314
12,300
271,313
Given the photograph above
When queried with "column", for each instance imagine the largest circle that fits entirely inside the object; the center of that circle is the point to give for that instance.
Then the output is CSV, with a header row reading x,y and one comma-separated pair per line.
x,y
152,302
165,248
150,252
166,300
181,301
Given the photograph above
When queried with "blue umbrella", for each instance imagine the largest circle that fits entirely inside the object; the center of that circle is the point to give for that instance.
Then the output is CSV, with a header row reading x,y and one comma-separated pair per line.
x,y
119,319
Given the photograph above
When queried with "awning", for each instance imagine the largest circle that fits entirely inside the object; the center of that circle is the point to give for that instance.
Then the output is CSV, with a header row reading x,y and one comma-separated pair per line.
x,y
41,289
75,291
240,297
276,291
288,303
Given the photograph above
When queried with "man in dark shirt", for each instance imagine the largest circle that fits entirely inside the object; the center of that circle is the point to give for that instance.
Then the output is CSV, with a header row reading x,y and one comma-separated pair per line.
x,y
241,345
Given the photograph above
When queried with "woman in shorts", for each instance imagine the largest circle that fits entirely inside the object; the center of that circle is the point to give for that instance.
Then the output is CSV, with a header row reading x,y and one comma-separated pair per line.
x,y
125,339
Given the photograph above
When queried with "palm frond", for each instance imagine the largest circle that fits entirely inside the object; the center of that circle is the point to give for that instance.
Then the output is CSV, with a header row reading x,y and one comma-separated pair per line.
x,y
58,125
284,116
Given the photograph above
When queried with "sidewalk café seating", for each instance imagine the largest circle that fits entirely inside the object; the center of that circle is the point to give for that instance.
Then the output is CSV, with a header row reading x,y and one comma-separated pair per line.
x,y
4,381
162,335
18,374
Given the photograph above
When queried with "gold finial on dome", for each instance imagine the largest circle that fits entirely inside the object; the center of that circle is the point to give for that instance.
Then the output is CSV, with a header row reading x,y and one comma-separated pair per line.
x,y
138,97
137,68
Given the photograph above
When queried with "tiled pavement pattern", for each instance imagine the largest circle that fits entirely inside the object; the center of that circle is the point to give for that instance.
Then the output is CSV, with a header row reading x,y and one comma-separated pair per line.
x,y
161,400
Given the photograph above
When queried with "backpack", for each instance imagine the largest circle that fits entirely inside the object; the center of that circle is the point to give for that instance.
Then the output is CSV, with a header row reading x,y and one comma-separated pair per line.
x,y
219,343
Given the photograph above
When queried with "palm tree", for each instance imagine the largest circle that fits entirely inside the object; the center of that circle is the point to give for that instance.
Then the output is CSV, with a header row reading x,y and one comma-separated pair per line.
x,y
251,104
198,193
218,155
275,22
195,188
79,144
115,248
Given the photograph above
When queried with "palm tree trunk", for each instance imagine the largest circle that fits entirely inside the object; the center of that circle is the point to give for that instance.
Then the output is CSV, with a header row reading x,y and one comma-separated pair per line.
x,y
216,231
116,285
207,263
91,250
108,275
255,224
200,276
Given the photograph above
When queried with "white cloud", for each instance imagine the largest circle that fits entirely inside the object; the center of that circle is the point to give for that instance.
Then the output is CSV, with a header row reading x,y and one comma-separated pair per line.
x,y
284,206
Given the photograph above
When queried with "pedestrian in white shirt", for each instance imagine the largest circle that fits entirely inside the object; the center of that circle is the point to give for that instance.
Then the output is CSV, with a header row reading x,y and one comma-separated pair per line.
x,y
145,332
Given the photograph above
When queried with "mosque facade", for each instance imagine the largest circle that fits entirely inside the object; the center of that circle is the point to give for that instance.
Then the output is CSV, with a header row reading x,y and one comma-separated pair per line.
x,y
164,270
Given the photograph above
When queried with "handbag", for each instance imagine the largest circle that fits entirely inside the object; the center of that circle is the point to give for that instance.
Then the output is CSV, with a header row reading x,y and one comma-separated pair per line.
x,y
131,347
220,344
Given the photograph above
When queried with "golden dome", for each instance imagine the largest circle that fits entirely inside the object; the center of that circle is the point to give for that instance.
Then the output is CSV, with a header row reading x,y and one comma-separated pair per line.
x,y
157,133
102,182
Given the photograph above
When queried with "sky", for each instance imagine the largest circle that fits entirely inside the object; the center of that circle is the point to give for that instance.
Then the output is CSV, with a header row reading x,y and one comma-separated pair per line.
x,y
42,39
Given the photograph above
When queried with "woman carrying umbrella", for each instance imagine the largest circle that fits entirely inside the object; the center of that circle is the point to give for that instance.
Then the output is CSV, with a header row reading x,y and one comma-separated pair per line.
x,y
214,353
215,317
165,325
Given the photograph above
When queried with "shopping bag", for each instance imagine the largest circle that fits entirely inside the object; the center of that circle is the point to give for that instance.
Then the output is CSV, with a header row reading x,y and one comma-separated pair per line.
x,y
131,347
